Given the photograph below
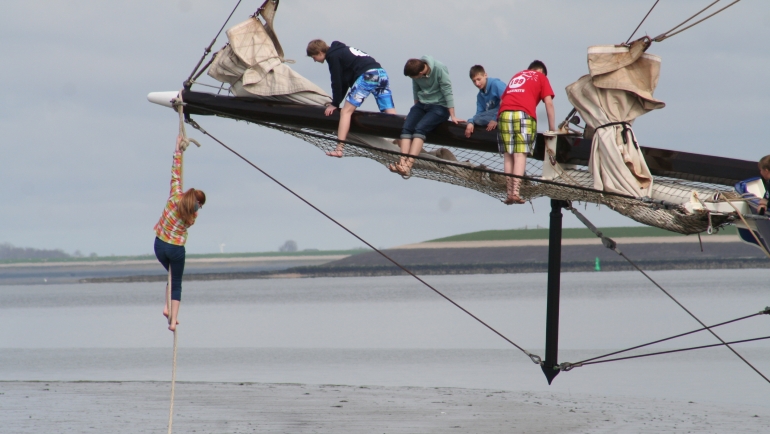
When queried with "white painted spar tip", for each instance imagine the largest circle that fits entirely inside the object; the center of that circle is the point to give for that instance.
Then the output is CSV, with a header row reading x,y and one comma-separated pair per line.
x,y
162,98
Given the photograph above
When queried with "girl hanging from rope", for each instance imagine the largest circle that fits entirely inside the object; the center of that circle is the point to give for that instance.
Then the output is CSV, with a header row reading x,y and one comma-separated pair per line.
x,y
171,232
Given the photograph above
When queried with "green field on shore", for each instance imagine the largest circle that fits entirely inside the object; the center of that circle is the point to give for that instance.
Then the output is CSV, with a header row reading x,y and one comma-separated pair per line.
x,y
542,234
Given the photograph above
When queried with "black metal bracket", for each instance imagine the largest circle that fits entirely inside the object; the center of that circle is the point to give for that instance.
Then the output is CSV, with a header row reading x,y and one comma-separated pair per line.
x,y
550,365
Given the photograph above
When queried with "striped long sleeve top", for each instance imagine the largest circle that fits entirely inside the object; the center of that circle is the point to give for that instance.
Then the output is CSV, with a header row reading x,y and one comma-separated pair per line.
x,y
170,228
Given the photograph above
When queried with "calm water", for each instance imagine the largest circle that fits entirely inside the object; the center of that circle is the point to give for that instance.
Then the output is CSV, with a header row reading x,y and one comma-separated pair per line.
x,y
393,331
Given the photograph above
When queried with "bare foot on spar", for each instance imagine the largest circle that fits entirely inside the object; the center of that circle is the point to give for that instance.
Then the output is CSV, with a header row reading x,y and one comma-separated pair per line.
x,y
335,153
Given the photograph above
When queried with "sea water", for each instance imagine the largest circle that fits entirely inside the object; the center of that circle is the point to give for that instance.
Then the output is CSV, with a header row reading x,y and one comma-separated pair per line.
x,y
394,331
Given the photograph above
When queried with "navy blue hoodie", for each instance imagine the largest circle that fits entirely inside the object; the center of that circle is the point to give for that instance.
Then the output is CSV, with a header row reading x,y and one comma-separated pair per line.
x,y
346,64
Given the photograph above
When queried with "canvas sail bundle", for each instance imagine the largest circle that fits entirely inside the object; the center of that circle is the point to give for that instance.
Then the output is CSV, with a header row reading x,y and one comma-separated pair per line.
x,y
618,89
253,64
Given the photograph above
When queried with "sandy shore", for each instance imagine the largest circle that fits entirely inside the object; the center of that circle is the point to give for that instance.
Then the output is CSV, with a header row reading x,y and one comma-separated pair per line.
x,y
142,407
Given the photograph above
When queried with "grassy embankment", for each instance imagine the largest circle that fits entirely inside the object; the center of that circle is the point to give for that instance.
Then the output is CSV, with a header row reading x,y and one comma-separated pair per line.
x,y
494,235
542,234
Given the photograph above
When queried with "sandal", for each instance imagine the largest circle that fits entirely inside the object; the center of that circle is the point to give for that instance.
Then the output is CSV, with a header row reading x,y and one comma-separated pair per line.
x,y
510,200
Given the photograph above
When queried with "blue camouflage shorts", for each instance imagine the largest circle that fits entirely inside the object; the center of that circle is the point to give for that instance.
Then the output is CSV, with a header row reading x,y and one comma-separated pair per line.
x,y
373,81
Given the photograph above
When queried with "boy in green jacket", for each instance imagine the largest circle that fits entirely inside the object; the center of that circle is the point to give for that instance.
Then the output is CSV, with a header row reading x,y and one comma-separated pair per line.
x,y
433,104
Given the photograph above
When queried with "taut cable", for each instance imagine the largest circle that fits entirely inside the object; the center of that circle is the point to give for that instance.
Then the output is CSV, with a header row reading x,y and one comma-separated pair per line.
x,y
535,358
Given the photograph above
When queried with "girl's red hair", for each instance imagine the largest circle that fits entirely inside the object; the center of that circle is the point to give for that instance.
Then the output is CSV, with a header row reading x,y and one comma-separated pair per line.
x,y
185,208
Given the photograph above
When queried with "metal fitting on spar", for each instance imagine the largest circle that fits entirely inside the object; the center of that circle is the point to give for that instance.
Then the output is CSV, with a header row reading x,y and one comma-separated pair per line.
x,y
165,99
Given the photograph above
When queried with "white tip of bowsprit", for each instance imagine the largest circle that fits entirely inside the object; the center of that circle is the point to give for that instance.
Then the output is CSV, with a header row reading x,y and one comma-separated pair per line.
x,y
163,98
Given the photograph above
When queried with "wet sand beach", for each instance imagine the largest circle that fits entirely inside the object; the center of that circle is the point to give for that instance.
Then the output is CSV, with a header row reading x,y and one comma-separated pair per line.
x,y
142,407
383,355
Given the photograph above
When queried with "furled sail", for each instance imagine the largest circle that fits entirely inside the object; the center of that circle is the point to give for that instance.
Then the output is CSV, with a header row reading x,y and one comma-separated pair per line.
x,y
617,90
254,66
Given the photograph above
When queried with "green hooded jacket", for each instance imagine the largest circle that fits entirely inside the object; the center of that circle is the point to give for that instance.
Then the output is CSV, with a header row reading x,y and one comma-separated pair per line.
x,y
436,87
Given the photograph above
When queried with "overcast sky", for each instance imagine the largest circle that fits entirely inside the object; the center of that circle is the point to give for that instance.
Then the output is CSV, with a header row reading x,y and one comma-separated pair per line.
x,y
85,159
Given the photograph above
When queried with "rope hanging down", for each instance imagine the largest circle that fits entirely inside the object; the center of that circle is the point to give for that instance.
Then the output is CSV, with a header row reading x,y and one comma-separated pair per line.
x,y
612,245
535,358
184,143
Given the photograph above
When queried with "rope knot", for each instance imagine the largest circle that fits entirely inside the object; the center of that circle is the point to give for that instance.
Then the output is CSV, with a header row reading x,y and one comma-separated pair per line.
x,y
179,105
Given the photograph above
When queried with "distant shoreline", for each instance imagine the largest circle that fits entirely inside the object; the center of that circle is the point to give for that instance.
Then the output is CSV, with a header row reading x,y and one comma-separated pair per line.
x,y
453,269
429,258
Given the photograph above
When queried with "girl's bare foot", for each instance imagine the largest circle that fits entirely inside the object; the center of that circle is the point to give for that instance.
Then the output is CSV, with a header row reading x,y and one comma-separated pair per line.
x,y
172,325
337,152
165,311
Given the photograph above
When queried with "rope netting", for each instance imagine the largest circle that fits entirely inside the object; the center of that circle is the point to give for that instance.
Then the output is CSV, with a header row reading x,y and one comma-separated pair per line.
x,y
483,172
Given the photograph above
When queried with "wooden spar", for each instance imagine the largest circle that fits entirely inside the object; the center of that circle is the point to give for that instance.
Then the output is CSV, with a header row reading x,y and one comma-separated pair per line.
x,y
662,162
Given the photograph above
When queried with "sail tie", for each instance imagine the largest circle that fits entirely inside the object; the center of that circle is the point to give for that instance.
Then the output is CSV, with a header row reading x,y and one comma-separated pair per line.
x,y
624,133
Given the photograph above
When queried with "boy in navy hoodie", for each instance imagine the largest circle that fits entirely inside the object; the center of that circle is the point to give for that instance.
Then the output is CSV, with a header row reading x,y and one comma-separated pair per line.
x,y
352,69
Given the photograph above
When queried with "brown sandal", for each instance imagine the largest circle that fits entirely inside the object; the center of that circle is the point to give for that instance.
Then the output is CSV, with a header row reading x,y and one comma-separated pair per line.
x,y
510,200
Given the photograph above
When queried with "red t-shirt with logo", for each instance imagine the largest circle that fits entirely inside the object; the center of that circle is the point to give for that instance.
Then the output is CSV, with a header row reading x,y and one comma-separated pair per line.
x,y
525,91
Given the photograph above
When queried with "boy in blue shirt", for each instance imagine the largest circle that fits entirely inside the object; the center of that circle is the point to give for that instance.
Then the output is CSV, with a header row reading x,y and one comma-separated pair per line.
x,y
487,100
351,68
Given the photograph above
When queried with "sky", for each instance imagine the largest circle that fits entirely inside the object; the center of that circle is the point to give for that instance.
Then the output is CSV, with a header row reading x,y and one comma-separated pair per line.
x,y
85,159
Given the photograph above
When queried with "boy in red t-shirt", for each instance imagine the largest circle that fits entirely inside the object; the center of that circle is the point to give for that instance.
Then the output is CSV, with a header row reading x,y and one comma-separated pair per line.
x,y
517,121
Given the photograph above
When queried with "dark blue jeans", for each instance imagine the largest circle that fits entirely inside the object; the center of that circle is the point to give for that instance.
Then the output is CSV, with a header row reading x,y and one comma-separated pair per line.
x,y
422,119
173,256
484,118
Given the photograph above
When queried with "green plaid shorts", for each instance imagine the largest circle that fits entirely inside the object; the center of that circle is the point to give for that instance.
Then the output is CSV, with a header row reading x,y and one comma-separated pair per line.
x,y
517,132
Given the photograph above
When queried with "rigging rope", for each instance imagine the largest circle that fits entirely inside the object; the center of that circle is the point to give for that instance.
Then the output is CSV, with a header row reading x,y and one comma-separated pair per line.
x,y
207,50
612,245
596,362
535,358
642,22
668,34
582,362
